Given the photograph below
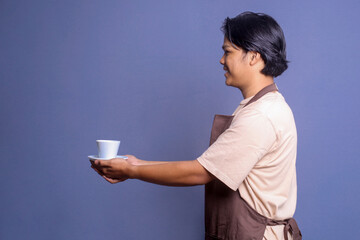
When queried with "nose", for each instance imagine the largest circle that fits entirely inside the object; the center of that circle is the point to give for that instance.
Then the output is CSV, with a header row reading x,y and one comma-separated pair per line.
x,y
222,60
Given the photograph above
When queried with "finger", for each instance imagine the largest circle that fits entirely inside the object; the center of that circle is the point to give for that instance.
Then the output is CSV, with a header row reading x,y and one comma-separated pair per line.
x,y
109,179
98,171
102,175
112,180
97,162
102,163
95,167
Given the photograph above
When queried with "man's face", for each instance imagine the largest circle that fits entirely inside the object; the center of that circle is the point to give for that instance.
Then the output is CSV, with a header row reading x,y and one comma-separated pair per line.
x,y
235,64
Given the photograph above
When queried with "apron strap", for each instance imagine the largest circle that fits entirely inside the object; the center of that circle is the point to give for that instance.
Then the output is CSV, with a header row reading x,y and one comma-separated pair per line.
x,y
290,226
262,92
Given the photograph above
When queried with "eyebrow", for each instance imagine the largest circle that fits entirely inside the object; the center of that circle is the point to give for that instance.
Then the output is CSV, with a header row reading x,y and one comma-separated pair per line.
x,y
225,46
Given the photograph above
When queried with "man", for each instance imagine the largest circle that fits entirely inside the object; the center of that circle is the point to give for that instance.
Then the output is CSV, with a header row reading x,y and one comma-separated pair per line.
x,y
249,169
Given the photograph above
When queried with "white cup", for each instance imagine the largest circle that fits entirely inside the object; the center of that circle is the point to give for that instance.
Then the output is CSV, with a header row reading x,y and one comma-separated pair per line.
x,y
108,148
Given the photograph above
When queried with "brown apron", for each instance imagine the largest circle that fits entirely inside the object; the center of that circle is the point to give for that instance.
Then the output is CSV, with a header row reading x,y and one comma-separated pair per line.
x,y
227,214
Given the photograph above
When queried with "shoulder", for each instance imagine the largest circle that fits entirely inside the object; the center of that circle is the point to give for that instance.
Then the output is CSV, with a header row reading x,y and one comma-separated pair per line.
x,y
272,107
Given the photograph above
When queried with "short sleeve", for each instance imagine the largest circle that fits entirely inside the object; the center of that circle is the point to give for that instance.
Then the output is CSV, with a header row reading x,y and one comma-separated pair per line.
x,y
232,156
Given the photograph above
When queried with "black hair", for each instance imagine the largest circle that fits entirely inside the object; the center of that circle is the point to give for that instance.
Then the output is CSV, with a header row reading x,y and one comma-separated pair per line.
x,y
260,33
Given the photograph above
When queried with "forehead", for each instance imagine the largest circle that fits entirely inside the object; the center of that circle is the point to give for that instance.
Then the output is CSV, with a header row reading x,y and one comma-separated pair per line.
x,y
227,44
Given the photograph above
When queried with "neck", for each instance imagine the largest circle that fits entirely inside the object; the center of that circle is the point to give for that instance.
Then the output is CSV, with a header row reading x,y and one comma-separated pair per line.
x,y
255,86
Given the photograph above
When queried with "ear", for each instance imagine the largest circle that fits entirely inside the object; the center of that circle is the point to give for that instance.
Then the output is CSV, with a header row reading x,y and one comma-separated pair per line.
x,y
254,57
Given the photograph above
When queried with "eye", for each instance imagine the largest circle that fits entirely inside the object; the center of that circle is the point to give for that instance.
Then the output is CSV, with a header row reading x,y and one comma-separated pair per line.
x,y
226,53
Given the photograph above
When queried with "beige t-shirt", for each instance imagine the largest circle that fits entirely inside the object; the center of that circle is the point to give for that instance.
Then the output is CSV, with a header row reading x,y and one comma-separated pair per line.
x,y
256,155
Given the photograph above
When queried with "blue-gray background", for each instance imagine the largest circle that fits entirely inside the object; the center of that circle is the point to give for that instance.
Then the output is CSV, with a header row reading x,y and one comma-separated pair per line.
x,y
148,73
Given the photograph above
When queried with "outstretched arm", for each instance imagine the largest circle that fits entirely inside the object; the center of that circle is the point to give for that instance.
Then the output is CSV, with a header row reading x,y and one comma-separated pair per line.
x,y
181,173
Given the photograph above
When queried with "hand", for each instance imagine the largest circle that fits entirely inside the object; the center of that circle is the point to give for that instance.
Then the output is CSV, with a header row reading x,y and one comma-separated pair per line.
x,y
114,170
110,180
134,161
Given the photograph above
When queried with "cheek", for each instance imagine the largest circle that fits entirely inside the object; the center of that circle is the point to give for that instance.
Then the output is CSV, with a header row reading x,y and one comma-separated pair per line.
x,y
236,65
232,66
231,61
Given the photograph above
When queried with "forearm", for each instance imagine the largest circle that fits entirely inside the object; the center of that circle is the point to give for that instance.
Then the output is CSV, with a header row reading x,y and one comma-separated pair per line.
x,y
143,162
182,173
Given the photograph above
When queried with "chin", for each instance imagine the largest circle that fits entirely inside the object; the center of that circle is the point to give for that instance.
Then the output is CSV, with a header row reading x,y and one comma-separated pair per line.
x,y
228,82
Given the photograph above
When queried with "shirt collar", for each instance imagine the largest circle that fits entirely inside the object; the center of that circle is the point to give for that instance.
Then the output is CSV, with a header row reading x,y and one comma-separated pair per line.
x,y
245,101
